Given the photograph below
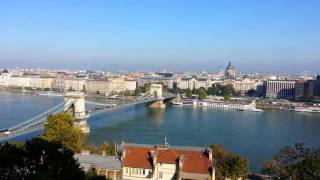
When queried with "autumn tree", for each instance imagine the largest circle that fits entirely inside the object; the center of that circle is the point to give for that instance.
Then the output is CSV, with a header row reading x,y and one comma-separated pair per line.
x,y
297,162
227,164
60,128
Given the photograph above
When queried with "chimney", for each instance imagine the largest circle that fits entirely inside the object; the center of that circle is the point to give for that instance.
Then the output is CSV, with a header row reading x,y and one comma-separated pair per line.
x,y
213,173
153,155
210,155
180,165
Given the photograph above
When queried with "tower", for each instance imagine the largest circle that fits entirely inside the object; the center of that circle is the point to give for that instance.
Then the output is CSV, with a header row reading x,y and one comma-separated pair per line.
x,y
74,103
230,72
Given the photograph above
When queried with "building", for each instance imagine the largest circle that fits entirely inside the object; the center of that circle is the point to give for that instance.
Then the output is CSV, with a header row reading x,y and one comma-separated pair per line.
x,y
301,89
309,88
4,77
193,82
109,166
280,89
230,72
59,84
19,82
43,83
242,86
314,87
75,85
97,87
164,162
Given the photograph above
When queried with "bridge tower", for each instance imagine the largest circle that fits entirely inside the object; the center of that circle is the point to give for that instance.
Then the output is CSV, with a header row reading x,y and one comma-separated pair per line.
x,y
74,103
156,91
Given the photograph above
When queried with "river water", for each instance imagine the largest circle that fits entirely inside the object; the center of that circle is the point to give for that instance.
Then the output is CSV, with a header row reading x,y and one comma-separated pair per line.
x,y
254,135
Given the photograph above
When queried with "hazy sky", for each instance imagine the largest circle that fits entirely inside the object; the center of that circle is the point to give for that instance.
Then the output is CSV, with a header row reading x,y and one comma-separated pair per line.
x,y
186,35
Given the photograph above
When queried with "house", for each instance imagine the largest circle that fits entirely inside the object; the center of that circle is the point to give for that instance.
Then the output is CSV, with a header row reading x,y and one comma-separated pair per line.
x,y
109,166
165,162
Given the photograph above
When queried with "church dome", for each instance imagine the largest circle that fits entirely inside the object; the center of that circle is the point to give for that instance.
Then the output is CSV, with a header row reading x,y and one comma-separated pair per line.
x,y
5,71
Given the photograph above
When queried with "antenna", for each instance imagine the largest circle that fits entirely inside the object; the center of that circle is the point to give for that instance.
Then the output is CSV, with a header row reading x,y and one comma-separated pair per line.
x,y
166,144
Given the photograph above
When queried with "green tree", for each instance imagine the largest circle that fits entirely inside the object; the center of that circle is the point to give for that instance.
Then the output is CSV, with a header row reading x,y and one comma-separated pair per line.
x,y
108,148
60,128
229,165
228,90
138,90
227,98
146,87
92,175
188,93
202,93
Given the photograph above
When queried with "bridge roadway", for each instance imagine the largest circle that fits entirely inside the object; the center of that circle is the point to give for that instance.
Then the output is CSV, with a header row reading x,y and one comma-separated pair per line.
x,y
37,123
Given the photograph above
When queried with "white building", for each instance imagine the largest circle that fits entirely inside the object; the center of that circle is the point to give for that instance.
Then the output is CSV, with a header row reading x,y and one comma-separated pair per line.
x,y
280,89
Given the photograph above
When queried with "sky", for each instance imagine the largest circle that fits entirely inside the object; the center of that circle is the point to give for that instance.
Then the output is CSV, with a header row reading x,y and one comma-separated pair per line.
x,y
157,35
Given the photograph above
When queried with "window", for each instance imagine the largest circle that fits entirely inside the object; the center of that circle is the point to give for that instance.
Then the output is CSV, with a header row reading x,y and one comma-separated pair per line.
x,y
160,175
127,170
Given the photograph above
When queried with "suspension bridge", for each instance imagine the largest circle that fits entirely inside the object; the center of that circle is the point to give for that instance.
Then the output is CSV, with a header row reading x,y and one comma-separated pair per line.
x,y
74,102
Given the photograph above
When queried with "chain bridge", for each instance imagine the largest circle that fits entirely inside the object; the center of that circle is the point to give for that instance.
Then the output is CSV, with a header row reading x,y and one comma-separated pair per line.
x,y
74,102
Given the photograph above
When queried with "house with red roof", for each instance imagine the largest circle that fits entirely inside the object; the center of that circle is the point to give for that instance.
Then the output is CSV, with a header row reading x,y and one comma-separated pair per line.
x,y
166,162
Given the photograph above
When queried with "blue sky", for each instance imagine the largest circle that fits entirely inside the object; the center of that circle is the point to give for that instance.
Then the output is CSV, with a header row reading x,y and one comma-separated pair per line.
x,y
188,35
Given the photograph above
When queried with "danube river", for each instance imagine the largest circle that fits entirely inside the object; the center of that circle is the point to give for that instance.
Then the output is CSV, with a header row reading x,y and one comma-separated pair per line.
x,y
254,135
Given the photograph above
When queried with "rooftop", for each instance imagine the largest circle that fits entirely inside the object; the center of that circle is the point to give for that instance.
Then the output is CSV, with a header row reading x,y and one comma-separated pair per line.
x,y
194,158
108,162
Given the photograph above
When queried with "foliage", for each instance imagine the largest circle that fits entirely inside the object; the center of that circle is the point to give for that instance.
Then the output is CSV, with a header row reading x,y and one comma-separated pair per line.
x,y
202,93
38,159
138,90
227,164
108,148
295,162
188,93
60,128
146,87
92,175
227,98
221,90
166,89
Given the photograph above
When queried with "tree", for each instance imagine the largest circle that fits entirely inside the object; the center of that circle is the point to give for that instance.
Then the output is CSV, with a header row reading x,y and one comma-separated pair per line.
x,y
146,87
92,175
139,90
60,128
227,98
295,162
38,159
228,90
229,165
188,93
201,92
108,148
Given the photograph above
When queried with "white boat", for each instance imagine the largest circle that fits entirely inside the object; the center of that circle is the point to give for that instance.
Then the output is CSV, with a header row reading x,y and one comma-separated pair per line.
x,y
250,109
113,97
307,109
177,103
49,93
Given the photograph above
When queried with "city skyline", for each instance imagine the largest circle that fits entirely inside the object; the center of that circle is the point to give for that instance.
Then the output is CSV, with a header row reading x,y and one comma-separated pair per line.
x,y
153,36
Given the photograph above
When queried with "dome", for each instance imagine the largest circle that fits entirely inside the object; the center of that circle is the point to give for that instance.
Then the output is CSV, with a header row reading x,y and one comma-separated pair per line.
x,y
5,71
229,66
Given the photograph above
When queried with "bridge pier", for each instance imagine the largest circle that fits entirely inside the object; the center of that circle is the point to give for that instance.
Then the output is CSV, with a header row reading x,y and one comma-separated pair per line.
x,y
74,103
156,91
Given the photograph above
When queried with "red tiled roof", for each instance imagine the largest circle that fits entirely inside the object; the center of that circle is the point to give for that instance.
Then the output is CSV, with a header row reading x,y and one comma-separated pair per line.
x,y
194,161
137,157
